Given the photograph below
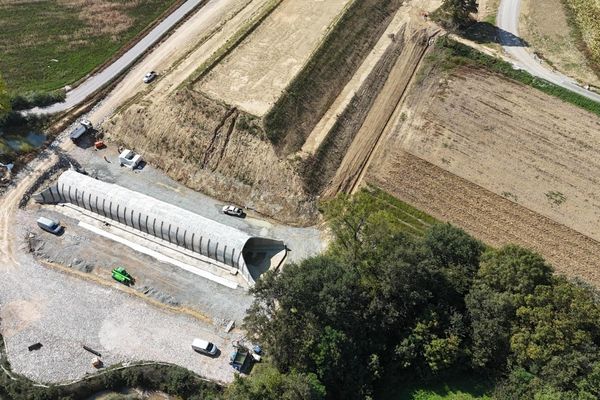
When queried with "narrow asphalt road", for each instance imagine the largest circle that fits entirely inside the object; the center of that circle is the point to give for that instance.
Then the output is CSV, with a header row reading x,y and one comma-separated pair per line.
x,y
508,22
97,81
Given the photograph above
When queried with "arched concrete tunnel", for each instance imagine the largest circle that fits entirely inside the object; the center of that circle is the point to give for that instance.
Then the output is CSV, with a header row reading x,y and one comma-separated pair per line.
x,y
250,255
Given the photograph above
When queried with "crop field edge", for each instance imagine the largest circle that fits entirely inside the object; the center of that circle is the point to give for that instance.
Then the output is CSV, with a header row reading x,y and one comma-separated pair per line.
x,y
458,54
577,33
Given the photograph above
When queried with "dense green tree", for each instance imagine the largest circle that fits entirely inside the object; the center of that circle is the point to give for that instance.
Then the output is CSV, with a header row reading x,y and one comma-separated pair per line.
x,y
379,299
557,333
505,278
456,13
267,383
308,317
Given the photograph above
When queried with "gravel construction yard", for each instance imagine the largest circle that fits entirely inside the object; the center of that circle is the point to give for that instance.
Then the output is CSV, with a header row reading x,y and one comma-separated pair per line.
x,y
64,312
302,242
260,68
90,253
64,308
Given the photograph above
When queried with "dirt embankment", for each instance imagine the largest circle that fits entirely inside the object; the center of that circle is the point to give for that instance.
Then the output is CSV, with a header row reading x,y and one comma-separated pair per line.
x,y
224,152
383,108
216,149
316,87
504,161
343,153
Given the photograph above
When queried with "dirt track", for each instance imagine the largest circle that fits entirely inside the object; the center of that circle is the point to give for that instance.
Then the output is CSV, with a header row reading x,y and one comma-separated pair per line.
x,y
179,55
416,42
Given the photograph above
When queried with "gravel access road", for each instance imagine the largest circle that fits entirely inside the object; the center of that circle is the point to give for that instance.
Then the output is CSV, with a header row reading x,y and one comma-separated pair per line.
x,y
508,22
99,80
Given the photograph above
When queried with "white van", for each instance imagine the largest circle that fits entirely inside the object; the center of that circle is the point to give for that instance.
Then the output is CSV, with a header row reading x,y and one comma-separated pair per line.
x,y
205,347
49,225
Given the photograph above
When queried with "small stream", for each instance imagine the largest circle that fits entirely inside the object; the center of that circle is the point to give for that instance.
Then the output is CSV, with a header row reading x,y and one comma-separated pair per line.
x,y
17,140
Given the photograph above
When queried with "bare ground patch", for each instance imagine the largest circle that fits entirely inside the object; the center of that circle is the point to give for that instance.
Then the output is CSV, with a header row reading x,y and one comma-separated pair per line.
x,y
255,74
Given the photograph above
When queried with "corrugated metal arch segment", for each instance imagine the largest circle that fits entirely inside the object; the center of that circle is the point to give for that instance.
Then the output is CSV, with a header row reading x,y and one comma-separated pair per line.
x,y
152,216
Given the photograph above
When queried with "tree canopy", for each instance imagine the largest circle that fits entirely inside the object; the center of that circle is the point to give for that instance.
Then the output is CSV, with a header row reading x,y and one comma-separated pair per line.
x,y
456,14
382,302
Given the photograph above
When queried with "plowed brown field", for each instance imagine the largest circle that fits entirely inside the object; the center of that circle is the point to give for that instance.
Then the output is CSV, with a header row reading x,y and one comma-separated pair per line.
x,y
504,161
485,215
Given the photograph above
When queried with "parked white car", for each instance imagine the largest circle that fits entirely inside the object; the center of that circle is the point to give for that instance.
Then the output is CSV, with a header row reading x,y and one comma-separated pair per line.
x,y
149,77
49,225
233,211
129,159
204,347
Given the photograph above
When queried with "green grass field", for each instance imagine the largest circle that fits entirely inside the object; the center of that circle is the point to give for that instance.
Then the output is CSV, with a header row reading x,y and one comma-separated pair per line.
x,y
413,221
45,45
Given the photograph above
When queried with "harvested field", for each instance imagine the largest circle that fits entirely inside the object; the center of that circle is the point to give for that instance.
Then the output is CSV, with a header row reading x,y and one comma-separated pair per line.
x,y
512,140
489,217
46,45
259,69
506,162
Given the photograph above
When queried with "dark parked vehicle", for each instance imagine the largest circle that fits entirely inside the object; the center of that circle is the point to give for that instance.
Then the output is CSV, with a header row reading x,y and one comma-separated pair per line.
x,y
84,126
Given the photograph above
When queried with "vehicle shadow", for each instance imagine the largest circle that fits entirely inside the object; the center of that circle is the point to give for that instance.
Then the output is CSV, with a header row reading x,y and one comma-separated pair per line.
x,y
216,355
484,32
87,140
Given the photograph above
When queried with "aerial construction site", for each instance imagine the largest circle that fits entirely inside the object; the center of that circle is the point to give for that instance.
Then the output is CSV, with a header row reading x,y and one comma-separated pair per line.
x,y
258,112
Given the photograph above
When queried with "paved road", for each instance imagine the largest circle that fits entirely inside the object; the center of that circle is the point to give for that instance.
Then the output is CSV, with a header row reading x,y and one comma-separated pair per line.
x,y
508,22
97,81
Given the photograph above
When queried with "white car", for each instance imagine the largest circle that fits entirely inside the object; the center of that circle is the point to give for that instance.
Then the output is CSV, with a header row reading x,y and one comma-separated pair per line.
x,y
204,347
129,159
233,211
149,77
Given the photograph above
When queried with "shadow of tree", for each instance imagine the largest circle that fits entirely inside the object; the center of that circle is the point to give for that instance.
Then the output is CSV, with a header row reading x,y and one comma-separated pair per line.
x,y
484,32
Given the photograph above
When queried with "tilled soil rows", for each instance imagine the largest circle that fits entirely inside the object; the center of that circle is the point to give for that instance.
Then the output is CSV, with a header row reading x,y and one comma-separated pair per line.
x,y
513,140
485,215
